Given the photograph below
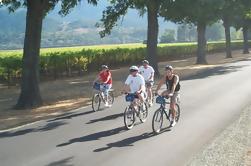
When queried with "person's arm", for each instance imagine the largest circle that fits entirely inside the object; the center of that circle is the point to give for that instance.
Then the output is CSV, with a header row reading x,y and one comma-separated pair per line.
x,y
152,74
142,84
126,87
96,79
176,80
161,82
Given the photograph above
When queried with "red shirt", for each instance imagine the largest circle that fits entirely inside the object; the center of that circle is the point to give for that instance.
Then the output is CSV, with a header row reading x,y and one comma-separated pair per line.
x,y
106,77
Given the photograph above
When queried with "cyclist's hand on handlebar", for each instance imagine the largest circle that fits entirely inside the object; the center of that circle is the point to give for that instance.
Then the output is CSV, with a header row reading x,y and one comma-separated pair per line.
x,y
156,93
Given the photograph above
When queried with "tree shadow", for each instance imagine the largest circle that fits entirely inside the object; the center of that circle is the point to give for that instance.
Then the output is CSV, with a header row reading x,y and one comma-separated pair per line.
x,y
47,127
110,117
220,70
64,162
70,116
95,136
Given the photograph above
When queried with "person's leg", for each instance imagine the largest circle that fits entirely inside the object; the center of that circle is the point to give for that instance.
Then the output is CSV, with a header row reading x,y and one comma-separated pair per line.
x,y
106,91
173,107
149,93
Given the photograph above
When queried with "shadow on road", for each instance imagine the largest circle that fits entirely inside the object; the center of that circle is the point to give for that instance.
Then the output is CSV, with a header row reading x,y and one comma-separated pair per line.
x,y
129,141
220,70
63,162
70,116
125,142
95,136
110,117
47,127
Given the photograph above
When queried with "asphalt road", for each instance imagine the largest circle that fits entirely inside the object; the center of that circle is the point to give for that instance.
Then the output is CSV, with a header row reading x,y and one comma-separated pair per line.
x,y
210,102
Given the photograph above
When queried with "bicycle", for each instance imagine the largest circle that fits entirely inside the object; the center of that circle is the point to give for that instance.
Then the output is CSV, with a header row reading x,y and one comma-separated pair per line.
x,y
99,97
131,113
158,117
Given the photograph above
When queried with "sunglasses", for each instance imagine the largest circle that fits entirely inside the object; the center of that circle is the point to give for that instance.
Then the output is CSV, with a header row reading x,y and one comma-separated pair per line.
x,y
131,71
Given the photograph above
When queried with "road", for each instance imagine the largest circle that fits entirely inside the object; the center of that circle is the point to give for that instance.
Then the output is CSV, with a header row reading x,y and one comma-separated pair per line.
x,y
210,100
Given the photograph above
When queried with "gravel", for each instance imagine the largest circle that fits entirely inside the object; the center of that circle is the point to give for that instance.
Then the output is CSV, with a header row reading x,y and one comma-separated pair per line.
x,y
230,148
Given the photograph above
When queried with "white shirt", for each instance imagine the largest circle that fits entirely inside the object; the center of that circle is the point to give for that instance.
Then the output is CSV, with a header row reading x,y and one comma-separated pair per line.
x,y
135,82
147,72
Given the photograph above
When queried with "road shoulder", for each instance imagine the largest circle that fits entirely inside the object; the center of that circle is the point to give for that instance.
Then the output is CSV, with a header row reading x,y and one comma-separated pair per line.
x,y
231,147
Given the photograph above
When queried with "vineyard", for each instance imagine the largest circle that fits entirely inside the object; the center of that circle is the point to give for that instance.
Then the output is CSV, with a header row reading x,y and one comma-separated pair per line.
x,y
70,61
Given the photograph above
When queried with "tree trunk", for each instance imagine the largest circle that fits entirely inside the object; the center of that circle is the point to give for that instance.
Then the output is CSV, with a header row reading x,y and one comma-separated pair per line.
x,y
228,38
201,52
30,93
152,35
245,40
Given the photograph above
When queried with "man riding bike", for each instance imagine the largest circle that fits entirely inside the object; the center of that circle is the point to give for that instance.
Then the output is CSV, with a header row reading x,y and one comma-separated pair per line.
x,y
148,73
105,78
135,83
173,87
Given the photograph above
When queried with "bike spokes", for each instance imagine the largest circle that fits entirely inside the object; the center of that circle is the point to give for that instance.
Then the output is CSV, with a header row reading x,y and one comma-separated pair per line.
x,y
157,121
129,118
96,100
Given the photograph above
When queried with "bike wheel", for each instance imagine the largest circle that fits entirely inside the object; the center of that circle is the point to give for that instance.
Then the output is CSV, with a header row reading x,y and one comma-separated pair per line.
x,y
157,121
110,98
143,113
129,118
96,100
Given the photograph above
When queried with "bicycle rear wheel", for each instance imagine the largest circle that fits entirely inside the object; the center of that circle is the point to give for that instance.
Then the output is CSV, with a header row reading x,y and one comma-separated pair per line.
x,y
143,114
157,121
129,117
96,100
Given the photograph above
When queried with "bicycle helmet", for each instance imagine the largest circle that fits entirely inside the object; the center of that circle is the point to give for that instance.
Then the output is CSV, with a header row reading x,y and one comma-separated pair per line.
x,y
133,68
104,67
145,62
168,67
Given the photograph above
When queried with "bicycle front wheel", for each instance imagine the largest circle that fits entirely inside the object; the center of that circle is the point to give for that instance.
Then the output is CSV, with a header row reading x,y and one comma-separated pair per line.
x,y
157,121
96,100
129,117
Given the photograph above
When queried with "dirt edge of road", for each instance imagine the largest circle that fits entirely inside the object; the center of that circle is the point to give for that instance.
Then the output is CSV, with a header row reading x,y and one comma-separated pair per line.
x,y
231,147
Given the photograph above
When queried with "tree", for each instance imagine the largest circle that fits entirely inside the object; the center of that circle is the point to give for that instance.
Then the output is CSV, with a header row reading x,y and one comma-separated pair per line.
x,y
168,36
198,12
242,20
36,11
227,13
119,8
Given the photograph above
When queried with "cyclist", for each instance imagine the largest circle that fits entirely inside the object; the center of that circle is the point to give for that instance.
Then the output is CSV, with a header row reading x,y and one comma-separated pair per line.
x,y
135,83
105,78
147,72
173,87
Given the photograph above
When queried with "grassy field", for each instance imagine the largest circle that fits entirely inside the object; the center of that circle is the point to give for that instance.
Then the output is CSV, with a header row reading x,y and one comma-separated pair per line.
x,y
79,48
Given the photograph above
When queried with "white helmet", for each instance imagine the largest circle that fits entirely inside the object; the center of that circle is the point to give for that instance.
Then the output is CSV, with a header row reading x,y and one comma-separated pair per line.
x,y
134,68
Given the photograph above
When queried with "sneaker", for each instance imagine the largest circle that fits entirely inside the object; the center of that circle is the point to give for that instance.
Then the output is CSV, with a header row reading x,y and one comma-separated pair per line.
x,y
171,118
173,123
106,104
109,105
150,104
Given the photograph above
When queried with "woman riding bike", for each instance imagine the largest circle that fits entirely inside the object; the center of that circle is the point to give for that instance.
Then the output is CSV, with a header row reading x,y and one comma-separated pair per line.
x,y
172,90
105,78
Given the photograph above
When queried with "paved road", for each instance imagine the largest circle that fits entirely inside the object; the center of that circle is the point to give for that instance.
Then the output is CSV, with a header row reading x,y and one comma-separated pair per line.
x,y
210,102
